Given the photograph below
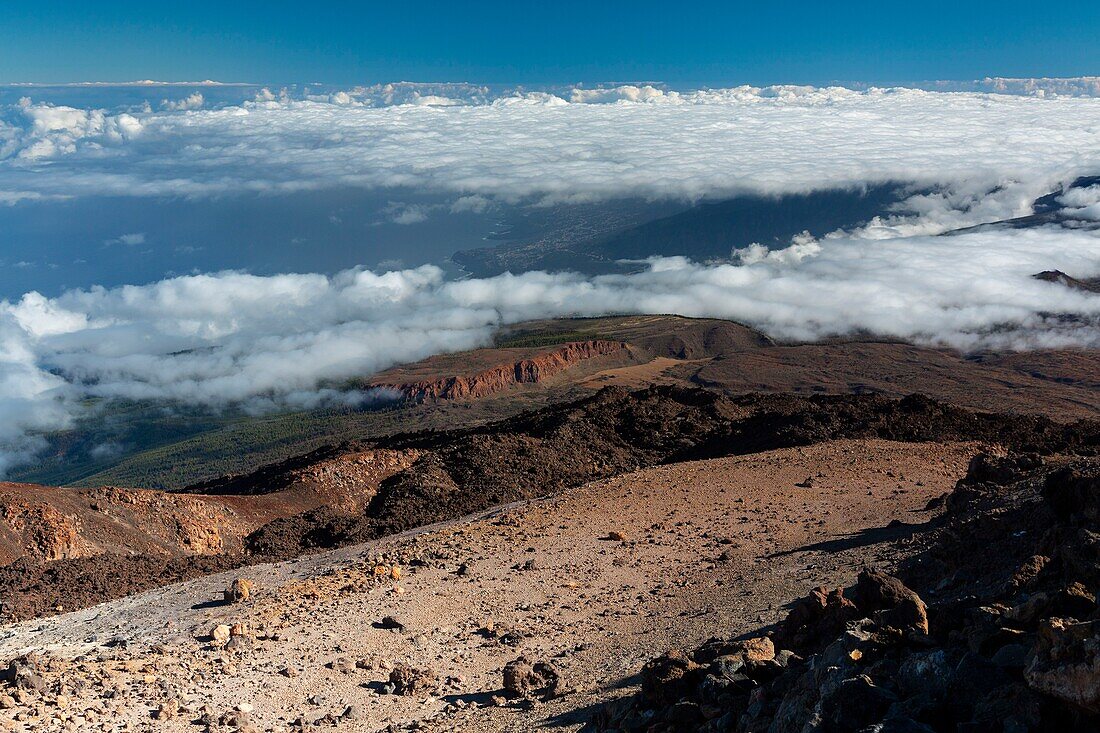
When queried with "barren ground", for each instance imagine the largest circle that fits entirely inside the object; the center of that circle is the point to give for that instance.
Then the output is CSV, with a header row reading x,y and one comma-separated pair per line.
x,y
718,544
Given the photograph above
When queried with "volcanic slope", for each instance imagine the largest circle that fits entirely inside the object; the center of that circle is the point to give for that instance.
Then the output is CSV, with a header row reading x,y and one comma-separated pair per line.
x,y
583,355
356,492
594,581
992,626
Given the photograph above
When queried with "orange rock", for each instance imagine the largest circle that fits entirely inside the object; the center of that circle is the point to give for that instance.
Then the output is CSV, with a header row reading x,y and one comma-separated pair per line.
x,y
528,371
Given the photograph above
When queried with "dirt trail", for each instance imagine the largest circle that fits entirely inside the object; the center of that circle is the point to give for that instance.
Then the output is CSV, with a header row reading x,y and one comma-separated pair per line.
x,y
640,375
596,580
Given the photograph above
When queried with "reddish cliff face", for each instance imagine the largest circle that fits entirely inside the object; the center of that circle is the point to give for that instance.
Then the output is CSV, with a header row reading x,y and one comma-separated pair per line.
x,y
526,371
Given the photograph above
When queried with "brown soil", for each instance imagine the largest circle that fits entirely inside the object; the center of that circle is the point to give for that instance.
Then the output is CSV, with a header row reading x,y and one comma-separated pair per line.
x,y
735,359
43,523
594,580
1060,385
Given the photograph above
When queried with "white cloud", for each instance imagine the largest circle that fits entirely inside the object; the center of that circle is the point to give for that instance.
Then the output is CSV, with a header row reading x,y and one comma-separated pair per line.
x,y
1081,86
649,142
195,100
287,339
130,240
51,131
409,213
475,204
626,93
1083,203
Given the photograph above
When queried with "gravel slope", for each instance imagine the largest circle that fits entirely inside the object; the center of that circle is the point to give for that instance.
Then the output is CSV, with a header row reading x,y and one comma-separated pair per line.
x,y
620,570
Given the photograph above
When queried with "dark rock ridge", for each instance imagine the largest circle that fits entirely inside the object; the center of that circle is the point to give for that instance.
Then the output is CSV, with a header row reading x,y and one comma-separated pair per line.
x,y
1004,634
526,371
1091,285
616,431
1047,210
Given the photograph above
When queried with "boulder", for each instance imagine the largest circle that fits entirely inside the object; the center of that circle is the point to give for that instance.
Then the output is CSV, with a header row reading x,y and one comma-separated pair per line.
x,y
1074,493
1028,572
220,634
1001,471
408,680
241,589
668,678
854,704
523,678
924,672
756,649
1066,662
816,619
898,607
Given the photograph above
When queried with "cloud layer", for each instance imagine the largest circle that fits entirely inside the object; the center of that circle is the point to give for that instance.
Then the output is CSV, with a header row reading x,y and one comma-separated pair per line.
x,y
235,338
593,144
266,341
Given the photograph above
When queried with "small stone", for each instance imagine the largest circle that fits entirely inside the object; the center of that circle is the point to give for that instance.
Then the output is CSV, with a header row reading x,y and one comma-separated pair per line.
x,y
392,622
408,680
167,710
221,633
343,665
522,678
240,589
1013,656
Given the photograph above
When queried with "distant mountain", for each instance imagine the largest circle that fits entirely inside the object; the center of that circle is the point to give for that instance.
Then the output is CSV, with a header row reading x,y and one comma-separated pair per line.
x,y
705,231
712,230
1048,209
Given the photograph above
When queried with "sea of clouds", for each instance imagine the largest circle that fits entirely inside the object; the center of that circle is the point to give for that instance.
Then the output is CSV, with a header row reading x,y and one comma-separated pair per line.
x,y
586,145
286,340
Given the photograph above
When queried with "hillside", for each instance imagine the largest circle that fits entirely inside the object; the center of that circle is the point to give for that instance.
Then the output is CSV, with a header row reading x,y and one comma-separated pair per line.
x,y
593,581
62,541
163,447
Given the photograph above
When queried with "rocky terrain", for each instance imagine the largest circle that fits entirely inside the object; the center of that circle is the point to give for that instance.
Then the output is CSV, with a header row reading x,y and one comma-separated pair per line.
x,y
734,359
531,369
424,630
612,490
993,627
356,492
42,523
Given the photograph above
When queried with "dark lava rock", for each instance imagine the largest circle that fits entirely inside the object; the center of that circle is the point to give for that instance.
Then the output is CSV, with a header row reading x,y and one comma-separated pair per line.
x,y
993,627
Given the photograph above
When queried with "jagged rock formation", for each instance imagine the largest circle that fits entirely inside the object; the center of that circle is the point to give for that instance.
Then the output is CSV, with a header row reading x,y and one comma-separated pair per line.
x,y
531,370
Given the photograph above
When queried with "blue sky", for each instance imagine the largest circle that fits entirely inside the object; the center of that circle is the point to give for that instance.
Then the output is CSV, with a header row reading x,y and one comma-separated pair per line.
x,y
712,43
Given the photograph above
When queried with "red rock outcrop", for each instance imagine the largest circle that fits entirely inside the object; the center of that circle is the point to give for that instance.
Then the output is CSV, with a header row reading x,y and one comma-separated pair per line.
x,y
526,371
45,524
